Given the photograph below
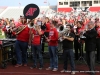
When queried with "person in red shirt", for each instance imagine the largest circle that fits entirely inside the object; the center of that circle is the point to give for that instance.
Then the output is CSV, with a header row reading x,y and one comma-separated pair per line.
x,y
52,44
21,46
36,46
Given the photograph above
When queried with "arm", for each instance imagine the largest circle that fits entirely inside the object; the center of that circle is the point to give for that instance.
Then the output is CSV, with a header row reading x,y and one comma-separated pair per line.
x,y
38,29
91,34
40,32
70,38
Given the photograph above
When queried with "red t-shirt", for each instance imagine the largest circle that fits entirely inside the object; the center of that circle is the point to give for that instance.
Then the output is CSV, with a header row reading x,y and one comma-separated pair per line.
x,y
53,36
37,38
24,35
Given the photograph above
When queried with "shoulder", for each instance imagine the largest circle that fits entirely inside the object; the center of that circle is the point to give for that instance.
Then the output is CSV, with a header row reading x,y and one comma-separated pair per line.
x,y
93,29
55,29
48,23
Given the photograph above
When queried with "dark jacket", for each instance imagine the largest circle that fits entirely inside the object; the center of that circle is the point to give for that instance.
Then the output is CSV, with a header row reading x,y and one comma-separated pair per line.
x,y
90,41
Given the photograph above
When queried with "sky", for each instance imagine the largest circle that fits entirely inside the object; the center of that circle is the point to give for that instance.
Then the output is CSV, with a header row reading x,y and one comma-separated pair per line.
x,y
26,2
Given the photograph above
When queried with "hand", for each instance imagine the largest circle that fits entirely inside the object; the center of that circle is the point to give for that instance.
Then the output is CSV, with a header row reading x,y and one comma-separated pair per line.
x,y
63,37
74,30
48,40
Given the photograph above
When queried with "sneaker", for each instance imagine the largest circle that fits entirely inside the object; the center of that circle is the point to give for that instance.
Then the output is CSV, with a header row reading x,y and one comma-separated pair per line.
x,y
55,69
40,68
18,65
73,73
63,71
33,67
49,68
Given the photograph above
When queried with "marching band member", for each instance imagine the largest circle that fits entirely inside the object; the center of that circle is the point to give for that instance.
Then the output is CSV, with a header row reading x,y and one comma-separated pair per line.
x,y
98,41
10,32
77,44
21,46
46,28
67,42
52,45
36,46
90,46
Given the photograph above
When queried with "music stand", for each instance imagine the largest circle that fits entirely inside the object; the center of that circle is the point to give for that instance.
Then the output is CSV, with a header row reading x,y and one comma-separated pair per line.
x,y
81,57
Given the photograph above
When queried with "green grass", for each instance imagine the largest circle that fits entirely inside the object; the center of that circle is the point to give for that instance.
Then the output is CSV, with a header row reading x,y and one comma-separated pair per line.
x,y
2,36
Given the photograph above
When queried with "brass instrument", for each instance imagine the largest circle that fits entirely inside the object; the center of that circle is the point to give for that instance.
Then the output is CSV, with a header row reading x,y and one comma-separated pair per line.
x,y
19,29
31,25
62,32
82,34
62,29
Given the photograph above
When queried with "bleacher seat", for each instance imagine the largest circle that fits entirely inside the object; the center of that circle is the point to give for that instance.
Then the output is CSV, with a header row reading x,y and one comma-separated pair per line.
x,y
2,9
15,12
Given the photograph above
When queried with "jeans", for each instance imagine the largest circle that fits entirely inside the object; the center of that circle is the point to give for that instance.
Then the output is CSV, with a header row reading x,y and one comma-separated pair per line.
x,y
21,51
53,52
68,54
37,50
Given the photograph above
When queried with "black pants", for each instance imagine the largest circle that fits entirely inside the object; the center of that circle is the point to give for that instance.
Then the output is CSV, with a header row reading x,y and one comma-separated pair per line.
x,y
43,44
78,46
90,57
98,48
43,40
